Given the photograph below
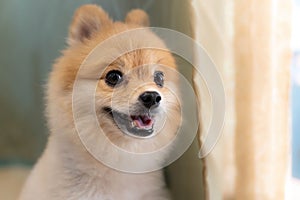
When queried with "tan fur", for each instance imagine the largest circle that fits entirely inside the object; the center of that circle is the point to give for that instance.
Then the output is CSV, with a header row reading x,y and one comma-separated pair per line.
x,y
138,17
66,170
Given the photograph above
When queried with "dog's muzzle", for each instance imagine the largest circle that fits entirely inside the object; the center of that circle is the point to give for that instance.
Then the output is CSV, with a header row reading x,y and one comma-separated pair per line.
x,y
139,122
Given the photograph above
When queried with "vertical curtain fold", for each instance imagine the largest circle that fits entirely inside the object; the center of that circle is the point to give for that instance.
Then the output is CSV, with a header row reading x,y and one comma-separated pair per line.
x,y
252,53
262,62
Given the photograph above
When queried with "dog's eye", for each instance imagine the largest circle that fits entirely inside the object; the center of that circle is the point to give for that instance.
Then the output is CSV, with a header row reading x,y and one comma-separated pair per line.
x,y
159,78
113,77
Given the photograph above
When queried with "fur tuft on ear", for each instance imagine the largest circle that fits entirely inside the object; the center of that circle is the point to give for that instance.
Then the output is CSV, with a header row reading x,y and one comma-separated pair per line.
x,y
87,20
138,17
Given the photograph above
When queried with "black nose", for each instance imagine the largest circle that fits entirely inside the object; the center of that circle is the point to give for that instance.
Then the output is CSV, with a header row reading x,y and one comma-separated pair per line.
x,y
150,99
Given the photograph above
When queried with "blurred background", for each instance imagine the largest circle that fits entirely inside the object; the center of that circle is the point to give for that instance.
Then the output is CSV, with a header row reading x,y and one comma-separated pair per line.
x,y
256,47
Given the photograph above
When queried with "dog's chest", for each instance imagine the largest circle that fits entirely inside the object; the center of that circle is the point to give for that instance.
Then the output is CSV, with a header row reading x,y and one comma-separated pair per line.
x,y
112,185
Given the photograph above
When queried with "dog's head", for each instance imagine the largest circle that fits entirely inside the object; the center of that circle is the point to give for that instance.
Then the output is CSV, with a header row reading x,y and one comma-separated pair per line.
x,y
136,99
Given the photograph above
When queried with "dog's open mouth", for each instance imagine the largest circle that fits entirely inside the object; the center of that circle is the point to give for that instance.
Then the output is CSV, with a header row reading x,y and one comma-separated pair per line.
x,y
138,125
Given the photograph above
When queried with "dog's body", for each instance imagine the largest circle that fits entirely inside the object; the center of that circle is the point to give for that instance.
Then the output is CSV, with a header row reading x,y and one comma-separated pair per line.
x,y
77,175
66,170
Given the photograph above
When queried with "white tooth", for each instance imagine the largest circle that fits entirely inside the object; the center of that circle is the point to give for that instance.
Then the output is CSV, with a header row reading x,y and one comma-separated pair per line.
x,y
132,124
135,123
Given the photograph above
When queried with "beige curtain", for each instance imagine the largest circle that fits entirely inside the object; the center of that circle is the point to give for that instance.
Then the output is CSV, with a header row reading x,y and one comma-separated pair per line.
x,y
249,42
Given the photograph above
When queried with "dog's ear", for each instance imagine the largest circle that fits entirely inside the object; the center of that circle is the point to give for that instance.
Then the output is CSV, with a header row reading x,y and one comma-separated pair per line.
x,y
87,20
138,17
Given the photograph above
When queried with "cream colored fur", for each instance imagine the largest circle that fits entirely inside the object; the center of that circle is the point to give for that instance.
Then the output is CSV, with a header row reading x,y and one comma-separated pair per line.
x,y
66,170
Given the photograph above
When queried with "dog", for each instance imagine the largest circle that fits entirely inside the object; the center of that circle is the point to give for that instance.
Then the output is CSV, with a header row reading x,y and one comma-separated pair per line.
x,y
131,100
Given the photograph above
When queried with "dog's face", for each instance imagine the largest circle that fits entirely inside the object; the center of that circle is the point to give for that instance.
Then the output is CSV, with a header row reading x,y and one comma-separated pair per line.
x,y
139,102
136,99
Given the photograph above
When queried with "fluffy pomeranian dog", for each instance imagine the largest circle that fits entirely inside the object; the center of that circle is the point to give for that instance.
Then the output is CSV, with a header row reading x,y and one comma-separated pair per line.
x,y
131,102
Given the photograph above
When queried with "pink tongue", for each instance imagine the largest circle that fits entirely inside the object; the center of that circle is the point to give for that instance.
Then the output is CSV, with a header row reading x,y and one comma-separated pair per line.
x,y
142,121
146,120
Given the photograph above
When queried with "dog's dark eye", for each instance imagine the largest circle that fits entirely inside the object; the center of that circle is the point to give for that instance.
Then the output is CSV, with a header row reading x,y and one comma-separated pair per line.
x,y
159,78
113,77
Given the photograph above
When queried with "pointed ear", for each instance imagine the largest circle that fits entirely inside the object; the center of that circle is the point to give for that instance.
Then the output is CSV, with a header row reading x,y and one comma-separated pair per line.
x,y
138,17
87,20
